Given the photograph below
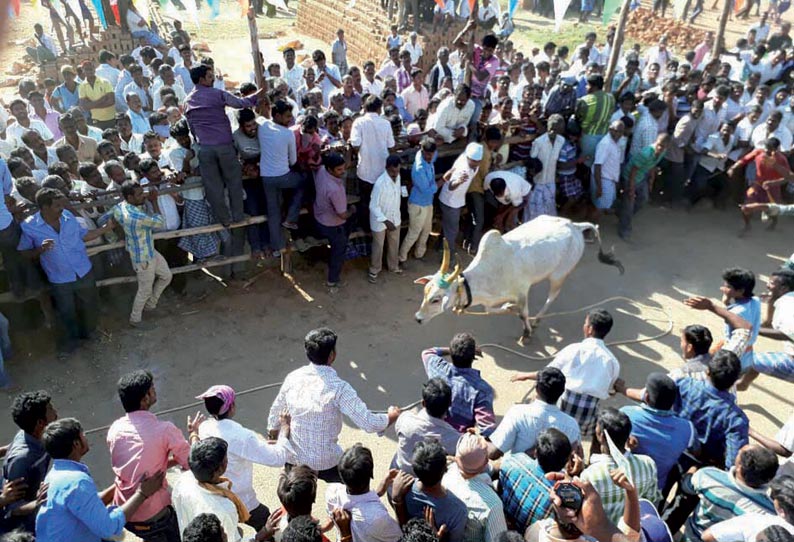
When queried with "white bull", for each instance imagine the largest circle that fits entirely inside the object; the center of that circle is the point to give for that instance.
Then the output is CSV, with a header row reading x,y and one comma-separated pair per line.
x,y
505,268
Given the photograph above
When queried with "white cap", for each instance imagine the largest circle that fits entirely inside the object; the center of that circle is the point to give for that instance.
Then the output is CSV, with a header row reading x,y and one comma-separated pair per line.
x,y
474,151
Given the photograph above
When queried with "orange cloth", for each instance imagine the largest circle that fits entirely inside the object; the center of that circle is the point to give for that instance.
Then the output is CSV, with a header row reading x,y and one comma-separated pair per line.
x,y
242,512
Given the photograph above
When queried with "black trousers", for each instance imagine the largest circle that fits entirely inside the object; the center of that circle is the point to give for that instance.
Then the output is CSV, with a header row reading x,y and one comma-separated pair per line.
x,y
76,305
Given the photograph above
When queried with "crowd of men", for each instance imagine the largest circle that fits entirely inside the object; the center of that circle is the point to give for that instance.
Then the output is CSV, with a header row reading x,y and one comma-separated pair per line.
x,y
490,137
681,457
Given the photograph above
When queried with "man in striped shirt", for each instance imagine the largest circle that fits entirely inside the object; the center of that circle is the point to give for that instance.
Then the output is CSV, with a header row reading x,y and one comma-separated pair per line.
x,y
640,469
743,489
154,276
593,112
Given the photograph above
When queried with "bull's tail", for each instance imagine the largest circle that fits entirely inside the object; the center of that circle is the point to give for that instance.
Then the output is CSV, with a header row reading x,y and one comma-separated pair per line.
x,y
605,257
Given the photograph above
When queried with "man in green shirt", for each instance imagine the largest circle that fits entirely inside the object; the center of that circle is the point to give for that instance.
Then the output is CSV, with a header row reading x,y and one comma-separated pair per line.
x,y
593,111
637,181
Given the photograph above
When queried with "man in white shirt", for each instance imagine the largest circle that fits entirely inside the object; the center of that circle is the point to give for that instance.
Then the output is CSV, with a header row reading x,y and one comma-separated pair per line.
x,y
761,28
487,15
316,397
606,167
167,79
279,154
453,116
106,69
390,66
372,135
590,371
19,110
384,219
512,191
245,448
202,490
369,83
773,127
45,48
452,197
414,48
292,72
327,75
370,519
519,429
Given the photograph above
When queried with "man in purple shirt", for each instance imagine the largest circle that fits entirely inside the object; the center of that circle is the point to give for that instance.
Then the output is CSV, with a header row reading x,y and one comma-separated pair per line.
x,y
331,212
205,110
472,396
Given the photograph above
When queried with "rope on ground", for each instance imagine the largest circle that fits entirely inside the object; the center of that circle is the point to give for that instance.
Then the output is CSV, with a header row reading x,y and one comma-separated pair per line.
x,y
667,331
255,389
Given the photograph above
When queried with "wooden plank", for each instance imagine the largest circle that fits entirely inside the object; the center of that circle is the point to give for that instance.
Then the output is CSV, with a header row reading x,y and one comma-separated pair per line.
x,y
177,270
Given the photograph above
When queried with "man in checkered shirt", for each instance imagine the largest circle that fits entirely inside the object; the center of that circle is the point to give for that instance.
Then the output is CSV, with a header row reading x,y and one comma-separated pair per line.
x,y
316,398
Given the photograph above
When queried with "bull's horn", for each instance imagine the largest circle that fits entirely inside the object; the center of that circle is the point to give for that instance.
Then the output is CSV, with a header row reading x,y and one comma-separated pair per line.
x,y
445,259
455,274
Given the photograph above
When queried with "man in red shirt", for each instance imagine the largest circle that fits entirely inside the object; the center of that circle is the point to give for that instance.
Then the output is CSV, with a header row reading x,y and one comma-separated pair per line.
x,y
772,171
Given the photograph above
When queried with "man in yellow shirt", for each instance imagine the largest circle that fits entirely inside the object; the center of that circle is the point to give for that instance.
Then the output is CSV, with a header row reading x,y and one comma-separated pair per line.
x,y
97,98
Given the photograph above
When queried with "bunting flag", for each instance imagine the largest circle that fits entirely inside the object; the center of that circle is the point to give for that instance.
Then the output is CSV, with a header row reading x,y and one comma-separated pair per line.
x,y
192,11
739,5
100,13
471,5
14,8
678,9
512,6
560,7
441,4
610,7
215,8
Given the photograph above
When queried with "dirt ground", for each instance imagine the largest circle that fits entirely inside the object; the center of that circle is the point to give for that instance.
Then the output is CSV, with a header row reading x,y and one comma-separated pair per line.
x,y
250,337
247,338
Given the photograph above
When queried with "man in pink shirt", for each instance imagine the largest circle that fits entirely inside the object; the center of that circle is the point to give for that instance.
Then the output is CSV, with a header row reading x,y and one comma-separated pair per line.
x,y
140,443
484,64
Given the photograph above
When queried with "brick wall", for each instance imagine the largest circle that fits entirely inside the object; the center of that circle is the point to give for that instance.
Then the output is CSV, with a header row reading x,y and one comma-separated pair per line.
x,y
113,39
366,27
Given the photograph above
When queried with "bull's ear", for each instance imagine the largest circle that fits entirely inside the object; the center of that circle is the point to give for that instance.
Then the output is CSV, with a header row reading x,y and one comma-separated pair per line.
x,y
423,280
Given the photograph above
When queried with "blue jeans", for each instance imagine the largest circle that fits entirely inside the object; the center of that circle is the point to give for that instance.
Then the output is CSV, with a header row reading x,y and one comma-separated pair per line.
x,y
337,238
255,204
273,187
627,209
152,38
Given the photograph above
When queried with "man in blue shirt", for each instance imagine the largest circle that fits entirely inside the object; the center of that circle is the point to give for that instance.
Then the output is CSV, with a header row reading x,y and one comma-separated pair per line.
x,y
737,294
56,237
472,396
73,510
420,202
26,458
660,433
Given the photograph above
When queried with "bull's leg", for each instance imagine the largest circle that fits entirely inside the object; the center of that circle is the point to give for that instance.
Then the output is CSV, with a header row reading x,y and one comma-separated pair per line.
x,y
525,320
554,290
